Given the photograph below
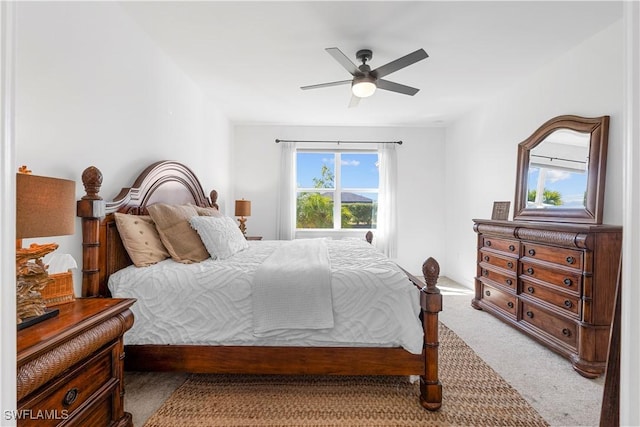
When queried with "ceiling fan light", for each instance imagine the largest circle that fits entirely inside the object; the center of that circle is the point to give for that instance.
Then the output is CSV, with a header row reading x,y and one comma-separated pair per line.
x,y
363,88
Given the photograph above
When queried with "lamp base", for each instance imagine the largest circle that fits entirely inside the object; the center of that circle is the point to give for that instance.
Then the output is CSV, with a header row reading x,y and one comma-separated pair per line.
x,y
29,321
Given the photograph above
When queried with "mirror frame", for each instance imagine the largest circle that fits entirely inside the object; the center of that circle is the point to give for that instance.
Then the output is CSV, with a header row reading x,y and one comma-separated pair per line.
x,y
598,128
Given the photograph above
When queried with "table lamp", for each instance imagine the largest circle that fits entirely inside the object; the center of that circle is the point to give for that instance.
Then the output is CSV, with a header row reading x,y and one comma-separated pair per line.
x,y
45,207
243,209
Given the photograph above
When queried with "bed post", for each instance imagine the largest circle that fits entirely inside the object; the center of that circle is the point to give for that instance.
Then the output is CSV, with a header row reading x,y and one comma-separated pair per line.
x,y
431,302
91,208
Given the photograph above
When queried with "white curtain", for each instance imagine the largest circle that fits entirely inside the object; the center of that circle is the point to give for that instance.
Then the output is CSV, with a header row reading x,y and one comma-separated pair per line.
x,y
387,229
286,226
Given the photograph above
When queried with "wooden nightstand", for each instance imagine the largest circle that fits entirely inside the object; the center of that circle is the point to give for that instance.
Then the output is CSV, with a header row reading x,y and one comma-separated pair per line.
x,y
253,237
70,367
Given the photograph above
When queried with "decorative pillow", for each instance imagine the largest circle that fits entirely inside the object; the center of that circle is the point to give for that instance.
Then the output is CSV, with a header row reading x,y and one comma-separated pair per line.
x,y
221,236
182,242
203,211
141,239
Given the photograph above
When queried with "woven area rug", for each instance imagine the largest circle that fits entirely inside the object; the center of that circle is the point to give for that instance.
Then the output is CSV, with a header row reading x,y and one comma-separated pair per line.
x,y
473,395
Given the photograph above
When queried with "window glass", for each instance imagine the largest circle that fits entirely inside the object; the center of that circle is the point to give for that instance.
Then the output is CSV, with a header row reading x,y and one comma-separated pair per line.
x,y
322,175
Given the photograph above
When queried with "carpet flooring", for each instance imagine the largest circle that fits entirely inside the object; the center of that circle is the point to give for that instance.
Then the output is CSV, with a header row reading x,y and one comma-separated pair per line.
x,y
473,394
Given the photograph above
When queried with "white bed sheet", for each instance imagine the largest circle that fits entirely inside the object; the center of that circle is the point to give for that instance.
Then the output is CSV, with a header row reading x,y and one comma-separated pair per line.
x,y
210,302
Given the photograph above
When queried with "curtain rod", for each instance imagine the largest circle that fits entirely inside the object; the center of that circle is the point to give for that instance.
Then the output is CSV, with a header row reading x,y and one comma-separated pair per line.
x,y
341,142
558,158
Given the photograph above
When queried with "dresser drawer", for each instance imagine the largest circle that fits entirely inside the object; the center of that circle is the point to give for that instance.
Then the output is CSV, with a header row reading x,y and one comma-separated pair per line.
x,y
500,261
503,301
566,280
561,256
506,246
567,302
499,278
70,392
561,329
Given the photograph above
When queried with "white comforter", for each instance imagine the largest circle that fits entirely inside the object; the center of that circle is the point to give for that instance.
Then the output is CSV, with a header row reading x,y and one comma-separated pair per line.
x,y
210,302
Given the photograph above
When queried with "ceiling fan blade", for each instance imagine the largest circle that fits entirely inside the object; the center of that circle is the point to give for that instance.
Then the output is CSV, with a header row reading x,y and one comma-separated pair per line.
x,y
396,87
400,63
341,82
343,60
355,100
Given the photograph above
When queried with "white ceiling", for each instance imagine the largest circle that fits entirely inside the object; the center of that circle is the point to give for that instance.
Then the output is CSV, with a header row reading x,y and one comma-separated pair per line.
x,y
252,57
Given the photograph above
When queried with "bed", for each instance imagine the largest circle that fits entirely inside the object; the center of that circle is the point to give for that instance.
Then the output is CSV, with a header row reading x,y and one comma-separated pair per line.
x,y
172,183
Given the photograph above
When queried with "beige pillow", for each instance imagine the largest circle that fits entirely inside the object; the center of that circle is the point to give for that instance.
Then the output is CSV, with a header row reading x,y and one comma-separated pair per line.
x,y
141,239
204,211
182,241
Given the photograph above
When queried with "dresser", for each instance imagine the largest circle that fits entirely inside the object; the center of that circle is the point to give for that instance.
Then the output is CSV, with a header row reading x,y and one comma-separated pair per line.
x,y
555,282
70,367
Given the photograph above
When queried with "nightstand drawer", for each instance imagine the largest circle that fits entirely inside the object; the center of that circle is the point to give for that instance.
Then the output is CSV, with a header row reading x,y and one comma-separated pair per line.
x,y
67,394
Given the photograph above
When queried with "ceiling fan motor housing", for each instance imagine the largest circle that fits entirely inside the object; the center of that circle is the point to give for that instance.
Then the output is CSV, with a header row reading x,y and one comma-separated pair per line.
x,y
364,55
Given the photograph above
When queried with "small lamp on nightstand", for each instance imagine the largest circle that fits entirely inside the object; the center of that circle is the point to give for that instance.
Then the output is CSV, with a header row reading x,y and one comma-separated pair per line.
x,y
243,209
45,207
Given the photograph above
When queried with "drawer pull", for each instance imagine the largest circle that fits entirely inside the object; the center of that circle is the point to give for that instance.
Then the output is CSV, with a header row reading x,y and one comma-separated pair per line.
x,y
510,264
508,282
70,397
567,281
570,260
512,248
510,304
530,270
487,293
530,314
568,304
485,273
566,332
487,242
486,258
532,252
530,289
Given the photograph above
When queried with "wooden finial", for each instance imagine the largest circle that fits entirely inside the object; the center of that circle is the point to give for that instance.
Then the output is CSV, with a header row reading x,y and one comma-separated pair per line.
x,y
431,271
214,198
92,181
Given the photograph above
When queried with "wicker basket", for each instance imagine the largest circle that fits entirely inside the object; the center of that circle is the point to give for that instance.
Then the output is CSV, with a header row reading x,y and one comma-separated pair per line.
x,y
60,290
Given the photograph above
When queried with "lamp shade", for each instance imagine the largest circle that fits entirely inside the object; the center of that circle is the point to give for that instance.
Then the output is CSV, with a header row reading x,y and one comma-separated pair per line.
x,y
243,207
44,206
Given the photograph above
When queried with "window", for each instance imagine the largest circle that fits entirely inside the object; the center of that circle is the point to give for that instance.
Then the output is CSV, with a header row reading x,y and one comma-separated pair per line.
x,y
336,189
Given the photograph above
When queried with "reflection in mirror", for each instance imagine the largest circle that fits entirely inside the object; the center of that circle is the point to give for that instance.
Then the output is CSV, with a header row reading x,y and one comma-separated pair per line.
x,y
561,171
558,171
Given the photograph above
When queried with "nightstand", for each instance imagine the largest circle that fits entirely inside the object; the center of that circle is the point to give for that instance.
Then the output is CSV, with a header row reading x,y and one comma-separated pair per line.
x,y
70,368
253,237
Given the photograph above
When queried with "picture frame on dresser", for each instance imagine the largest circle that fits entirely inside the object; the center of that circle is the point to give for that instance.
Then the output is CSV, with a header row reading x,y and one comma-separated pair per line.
x,y
500,210
552,272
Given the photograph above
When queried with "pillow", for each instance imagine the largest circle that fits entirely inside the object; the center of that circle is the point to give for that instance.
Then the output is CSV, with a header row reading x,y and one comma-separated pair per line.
x,y
181,241
204,211
141,239
221,236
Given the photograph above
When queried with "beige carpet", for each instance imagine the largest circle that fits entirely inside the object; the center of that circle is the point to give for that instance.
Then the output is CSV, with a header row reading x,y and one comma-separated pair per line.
x,y
473,394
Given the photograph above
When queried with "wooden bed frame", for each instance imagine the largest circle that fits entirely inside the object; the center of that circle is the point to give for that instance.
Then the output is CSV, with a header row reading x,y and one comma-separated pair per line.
x,y
172,182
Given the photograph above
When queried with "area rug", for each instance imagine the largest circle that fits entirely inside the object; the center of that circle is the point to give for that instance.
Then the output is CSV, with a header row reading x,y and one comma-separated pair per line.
x,y
473,395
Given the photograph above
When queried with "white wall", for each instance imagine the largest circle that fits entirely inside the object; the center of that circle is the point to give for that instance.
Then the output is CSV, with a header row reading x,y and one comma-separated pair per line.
x,y
421,191
92,89
481,147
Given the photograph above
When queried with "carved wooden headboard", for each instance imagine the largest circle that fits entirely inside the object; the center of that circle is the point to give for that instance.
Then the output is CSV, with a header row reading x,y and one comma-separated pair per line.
x,y
102,250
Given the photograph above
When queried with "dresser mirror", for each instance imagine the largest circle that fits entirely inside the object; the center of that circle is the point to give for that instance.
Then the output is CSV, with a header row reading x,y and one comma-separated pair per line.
x,y
561,171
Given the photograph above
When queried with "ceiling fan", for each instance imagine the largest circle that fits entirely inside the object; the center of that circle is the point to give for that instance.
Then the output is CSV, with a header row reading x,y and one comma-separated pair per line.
x,y
365,80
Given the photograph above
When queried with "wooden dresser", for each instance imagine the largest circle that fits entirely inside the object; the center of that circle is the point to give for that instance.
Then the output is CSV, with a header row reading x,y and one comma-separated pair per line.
x,y
554,281
70,367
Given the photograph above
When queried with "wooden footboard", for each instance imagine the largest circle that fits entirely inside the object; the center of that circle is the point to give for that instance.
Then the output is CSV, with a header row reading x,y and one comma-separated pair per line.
x,y
171,182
